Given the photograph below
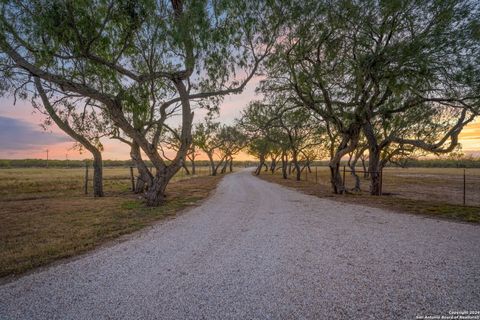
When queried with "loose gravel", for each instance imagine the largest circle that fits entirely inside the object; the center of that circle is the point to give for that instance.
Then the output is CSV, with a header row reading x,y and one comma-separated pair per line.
x,y
256,250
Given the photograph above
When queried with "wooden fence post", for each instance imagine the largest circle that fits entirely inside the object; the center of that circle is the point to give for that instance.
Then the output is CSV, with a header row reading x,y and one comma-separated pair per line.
x,y
316,174
381,181
132,178
86,177
464,187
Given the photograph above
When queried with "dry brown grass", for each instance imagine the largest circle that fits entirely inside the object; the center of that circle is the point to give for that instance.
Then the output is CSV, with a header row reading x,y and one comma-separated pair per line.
x,y
34,183
431,184
38,227
441,209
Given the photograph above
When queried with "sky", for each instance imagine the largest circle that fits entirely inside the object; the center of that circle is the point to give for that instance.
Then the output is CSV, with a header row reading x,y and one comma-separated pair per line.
x,y
21,134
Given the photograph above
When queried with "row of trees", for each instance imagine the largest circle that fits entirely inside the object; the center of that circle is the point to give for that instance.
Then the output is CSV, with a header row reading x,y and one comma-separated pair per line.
x,y
358,79
131,70
369,79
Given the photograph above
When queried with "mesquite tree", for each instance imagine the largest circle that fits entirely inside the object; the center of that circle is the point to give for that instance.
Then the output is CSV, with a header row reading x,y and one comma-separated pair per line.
x,y
206,139
283,127
367,67
84,127
255,122
299,133
137,58
232,141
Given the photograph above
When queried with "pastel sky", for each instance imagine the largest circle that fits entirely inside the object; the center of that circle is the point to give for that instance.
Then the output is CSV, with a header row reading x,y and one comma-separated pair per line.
x,y
21,135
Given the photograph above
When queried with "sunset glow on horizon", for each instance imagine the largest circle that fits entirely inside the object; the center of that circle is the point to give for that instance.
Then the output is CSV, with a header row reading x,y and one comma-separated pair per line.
x,y
27,140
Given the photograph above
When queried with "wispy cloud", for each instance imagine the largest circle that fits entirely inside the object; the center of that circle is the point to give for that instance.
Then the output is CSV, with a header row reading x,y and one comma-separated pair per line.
x,y
16,134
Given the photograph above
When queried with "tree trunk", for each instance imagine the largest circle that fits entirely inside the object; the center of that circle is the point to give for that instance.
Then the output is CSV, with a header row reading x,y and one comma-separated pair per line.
x,y
284,166
224,168
187,172
336,178
155,195
97,174
298,171
273,164
192,160
348,144
351,165
309,167
365,169
65,126
231,164
374,152
260,165
213,168
374,169
144,177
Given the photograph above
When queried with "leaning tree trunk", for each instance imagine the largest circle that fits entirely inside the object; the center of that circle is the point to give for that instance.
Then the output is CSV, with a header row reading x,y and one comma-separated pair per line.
x,y
164,173
65,126
260,165
273,164
187,172
213,168
144,177
155,195
224,168
351,165
365,169
336,178
348,144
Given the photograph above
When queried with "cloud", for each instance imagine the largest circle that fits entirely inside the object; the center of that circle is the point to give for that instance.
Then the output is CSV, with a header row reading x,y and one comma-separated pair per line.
x,y
16,134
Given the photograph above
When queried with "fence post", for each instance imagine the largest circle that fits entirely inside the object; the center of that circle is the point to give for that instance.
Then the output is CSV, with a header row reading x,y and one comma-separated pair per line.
x,y
464,187
381,181
132,178
344,182
316,175
86,177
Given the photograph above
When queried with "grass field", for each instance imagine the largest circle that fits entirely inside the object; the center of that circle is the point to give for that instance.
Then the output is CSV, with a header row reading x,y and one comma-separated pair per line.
x,y
428,191
45,215
438,184
33,183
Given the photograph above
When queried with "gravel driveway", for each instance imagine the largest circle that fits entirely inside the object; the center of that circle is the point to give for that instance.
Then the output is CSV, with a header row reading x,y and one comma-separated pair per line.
x,y
257,250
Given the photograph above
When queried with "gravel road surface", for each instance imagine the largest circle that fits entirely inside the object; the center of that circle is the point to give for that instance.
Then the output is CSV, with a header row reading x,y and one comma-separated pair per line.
x,y
256,250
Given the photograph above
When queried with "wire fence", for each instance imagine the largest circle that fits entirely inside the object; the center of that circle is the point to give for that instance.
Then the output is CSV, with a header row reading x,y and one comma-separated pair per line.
x,y
117,177
449,185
